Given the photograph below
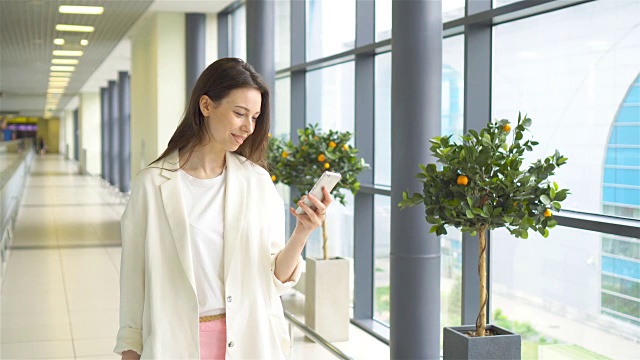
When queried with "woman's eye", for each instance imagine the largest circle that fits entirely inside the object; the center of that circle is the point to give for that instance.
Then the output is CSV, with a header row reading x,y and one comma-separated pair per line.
x,y
254,119
239,114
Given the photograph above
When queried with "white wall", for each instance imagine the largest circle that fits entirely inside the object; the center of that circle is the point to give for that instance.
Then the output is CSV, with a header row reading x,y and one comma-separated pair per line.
x,y
158,84
90,131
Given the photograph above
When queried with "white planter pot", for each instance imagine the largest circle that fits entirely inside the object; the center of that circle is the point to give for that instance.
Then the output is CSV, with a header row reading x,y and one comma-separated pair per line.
x,y
327,298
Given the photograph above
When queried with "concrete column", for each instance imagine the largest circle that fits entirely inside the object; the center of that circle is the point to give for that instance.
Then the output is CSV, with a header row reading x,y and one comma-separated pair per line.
x,y
195,42
416,111
124,131
261,42
104,127
114,143
158,84
90,135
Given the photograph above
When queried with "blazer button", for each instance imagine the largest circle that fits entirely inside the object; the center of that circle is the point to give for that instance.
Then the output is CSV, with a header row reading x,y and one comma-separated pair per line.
x,y
229,299
230,344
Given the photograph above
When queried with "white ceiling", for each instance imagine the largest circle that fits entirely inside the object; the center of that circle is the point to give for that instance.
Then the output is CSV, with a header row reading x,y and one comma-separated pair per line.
x,y
27,30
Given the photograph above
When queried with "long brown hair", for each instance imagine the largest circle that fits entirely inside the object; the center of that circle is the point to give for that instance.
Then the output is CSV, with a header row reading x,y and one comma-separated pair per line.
x,y
217,81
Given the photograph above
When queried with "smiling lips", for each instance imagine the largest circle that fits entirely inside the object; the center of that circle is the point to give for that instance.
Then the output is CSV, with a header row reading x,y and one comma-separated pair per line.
x,y
238,139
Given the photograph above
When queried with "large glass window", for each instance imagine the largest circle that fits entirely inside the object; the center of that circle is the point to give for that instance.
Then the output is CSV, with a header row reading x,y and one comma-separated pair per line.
x,y
563,296
283,33
382,108
281,128
571,71
382,251
451,10
383,19
330,94
331,27
238,33
452,123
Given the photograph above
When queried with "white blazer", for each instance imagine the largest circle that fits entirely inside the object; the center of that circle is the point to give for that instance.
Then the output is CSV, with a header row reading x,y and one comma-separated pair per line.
x,y
158,301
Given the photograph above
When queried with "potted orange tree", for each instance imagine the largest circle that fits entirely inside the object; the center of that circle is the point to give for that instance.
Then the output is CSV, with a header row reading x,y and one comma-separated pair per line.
x,y
327,279
481,184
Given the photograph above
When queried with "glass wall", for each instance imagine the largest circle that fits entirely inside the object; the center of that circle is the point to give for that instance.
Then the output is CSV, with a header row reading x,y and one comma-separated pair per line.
x,y
330,94
238,33
575,72
564,296
331,27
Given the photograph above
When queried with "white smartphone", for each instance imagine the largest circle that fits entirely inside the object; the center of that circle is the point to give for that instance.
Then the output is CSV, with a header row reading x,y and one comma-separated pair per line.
x,y
327,180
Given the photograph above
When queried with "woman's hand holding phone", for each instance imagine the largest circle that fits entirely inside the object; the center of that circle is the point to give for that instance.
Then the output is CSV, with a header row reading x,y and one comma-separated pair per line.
x,y
312,208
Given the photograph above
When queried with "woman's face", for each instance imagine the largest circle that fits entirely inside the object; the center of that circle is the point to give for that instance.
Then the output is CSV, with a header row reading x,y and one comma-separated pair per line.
x,y
233,119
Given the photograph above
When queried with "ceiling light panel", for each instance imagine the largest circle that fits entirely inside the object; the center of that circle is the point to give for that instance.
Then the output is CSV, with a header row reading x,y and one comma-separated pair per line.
x,y
65,61
60,74
58,41
67,53
62,68
84,42
74,28
86,10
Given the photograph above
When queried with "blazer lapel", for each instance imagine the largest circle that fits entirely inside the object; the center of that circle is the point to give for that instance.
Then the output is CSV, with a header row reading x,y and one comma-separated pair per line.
x,y
234,212
176,215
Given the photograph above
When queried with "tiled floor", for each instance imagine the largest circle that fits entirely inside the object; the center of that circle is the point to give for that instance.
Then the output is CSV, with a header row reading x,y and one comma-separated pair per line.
x,y
59,297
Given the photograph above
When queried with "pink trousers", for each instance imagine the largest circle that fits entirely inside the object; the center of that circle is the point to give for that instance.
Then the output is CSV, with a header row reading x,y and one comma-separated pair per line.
x,y
213,339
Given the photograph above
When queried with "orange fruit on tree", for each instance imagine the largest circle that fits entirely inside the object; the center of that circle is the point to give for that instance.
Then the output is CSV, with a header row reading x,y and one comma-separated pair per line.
x,y
321,158
547,213
462,180
345,147
285,154
269,135
326,165
273,178
506,128
332,144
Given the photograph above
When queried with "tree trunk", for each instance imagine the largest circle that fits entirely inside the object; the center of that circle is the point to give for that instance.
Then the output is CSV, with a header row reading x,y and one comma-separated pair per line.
x,y
481,320
324,240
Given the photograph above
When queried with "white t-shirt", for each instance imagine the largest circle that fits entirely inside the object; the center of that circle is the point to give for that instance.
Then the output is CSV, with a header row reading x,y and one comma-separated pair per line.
x,y
204,205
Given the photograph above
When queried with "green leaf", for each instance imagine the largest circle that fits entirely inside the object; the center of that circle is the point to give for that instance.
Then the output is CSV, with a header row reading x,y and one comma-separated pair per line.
x,y
518,135
486,140
545,199
434,228
527,122
552,192
552,223
470,214
556,205
524,234
546,233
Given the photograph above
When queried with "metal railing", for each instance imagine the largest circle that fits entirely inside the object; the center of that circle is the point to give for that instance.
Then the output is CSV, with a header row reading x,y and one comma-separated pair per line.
x,y
310,333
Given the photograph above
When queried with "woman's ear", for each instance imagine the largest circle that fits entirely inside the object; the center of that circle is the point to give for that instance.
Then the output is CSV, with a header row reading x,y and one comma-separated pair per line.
x,y
205,105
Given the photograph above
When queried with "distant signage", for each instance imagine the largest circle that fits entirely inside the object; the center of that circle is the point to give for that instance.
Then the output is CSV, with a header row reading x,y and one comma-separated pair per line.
x,y
23,120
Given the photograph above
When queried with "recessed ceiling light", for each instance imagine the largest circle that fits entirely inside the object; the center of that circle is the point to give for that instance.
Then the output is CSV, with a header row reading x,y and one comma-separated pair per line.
x,y
60,74
57,85
55,91
65,61
87,10
58,41
59,79
75,28
62,68
84,42
67,53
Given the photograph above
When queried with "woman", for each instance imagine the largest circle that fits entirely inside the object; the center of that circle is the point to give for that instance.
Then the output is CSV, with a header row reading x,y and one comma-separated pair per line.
x,y
203,255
